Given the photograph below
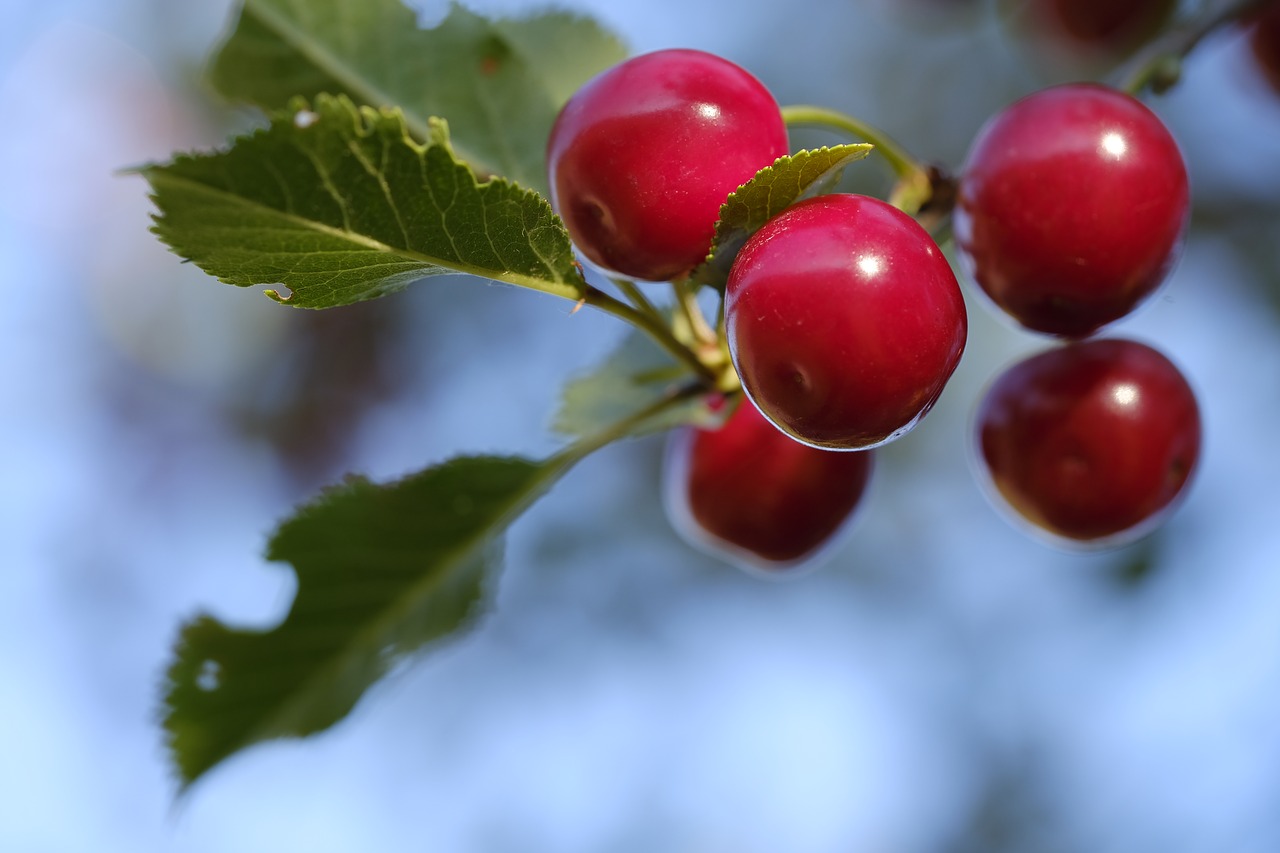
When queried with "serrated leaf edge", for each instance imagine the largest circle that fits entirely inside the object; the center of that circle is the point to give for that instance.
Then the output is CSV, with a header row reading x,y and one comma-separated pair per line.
x,y
365,124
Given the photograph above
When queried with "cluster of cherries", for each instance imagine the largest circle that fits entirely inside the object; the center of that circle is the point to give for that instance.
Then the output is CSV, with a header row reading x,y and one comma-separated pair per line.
x,y
844,321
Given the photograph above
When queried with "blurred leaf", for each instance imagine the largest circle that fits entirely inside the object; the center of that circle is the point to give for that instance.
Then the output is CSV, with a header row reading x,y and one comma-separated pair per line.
x,y
773,189
382,570
499,83
636,375
563,50
340,205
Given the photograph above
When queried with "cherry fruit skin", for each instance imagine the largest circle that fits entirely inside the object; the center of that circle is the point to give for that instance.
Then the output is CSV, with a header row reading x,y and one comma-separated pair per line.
x,y
1072,209
1093,442
1264,42
749,494
642,156
1099,27
844,321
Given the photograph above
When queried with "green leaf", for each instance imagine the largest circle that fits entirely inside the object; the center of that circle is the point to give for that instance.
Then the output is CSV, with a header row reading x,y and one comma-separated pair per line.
x,y
340,205
382,570
499,83
773,189
562,50
637,375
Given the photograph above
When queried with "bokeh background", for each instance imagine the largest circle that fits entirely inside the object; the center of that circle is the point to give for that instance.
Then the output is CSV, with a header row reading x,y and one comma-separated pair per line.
x,y
942,683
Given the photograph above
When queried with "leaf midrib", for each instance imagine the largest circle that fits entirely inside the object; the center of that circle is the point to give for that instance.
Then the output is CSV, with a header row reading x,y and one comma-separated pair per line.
x,y
349,77
540,284
468,549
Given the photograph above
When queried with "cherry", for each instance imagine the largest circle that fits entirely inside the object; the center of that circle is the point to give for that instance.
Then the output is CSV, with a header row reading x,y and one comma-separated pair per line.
x,y
1094,27
749,494
1073,204
641,158
844,321
1092,442
1264,42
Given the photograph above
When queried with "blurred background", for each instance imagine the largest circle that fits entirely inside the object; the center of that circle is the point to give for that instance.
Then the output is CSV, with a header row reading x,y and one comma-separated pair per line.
x,y
942,683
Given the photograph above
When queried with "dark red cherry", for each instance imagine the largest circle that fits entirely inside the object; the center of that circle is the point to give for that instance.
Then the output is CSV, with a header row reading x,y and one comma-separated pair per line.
x,y
1072,208
750,494
1093,442
1264,43
1092,27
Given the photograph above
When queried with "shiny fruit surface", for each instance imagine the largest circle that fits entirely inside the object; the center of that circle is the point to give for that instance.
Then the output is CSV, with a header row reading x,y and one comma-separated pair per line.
x,y
1072,208
844,321
750,494
642,156
1092,442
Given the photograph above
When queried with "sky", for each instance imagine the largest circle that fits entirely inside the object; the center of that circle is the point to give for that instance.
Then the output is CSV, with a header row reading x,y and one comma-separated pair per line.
x,y
942,682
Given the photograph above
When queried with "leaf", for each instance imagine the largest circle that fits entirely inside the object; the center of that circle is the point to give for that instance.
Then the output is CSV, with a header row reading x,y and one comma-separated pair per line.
x,y
636,375
382,570
340,205
499,83
773,189
563,50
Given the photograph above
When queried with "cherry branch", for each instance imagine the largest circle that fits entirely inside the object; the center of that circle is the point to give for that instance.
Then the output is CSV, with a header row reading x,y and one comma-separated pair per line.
x,y
1159,66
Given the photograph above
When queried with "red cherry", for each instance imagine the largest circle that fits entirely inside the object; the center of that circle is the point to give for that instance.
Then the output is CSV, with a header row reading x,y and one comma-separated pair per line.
x,y
641,158
1264,42
844,321
1093,442
1072,208
1108,27
748,493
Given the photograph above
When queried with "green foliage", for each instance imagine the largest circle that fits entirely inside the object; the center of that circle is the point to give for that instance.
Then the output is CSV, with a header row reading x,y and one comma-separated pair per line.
x,y
772,190
382,570
637,375
355,189
340,205
499,83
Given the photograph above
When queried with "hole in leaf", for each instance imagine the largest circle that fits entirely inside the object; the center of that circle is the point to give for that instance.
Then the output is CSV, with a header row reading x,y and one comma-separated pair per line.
x,y
209,678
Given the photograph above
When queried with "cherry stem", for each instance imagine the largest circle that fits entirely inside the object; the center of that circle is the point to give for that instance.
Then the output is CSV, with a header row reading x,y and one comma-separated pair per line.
x,y
1159,66
651,324
638,299
913,187
627,426
692,313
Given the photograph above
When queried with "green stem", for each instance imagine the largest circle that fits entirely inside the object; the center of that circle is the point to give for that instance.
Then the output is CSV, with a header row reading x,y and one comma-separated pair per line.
x,y
913,187
687,301
730,382
653,326
1159,65
633,292
627,425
